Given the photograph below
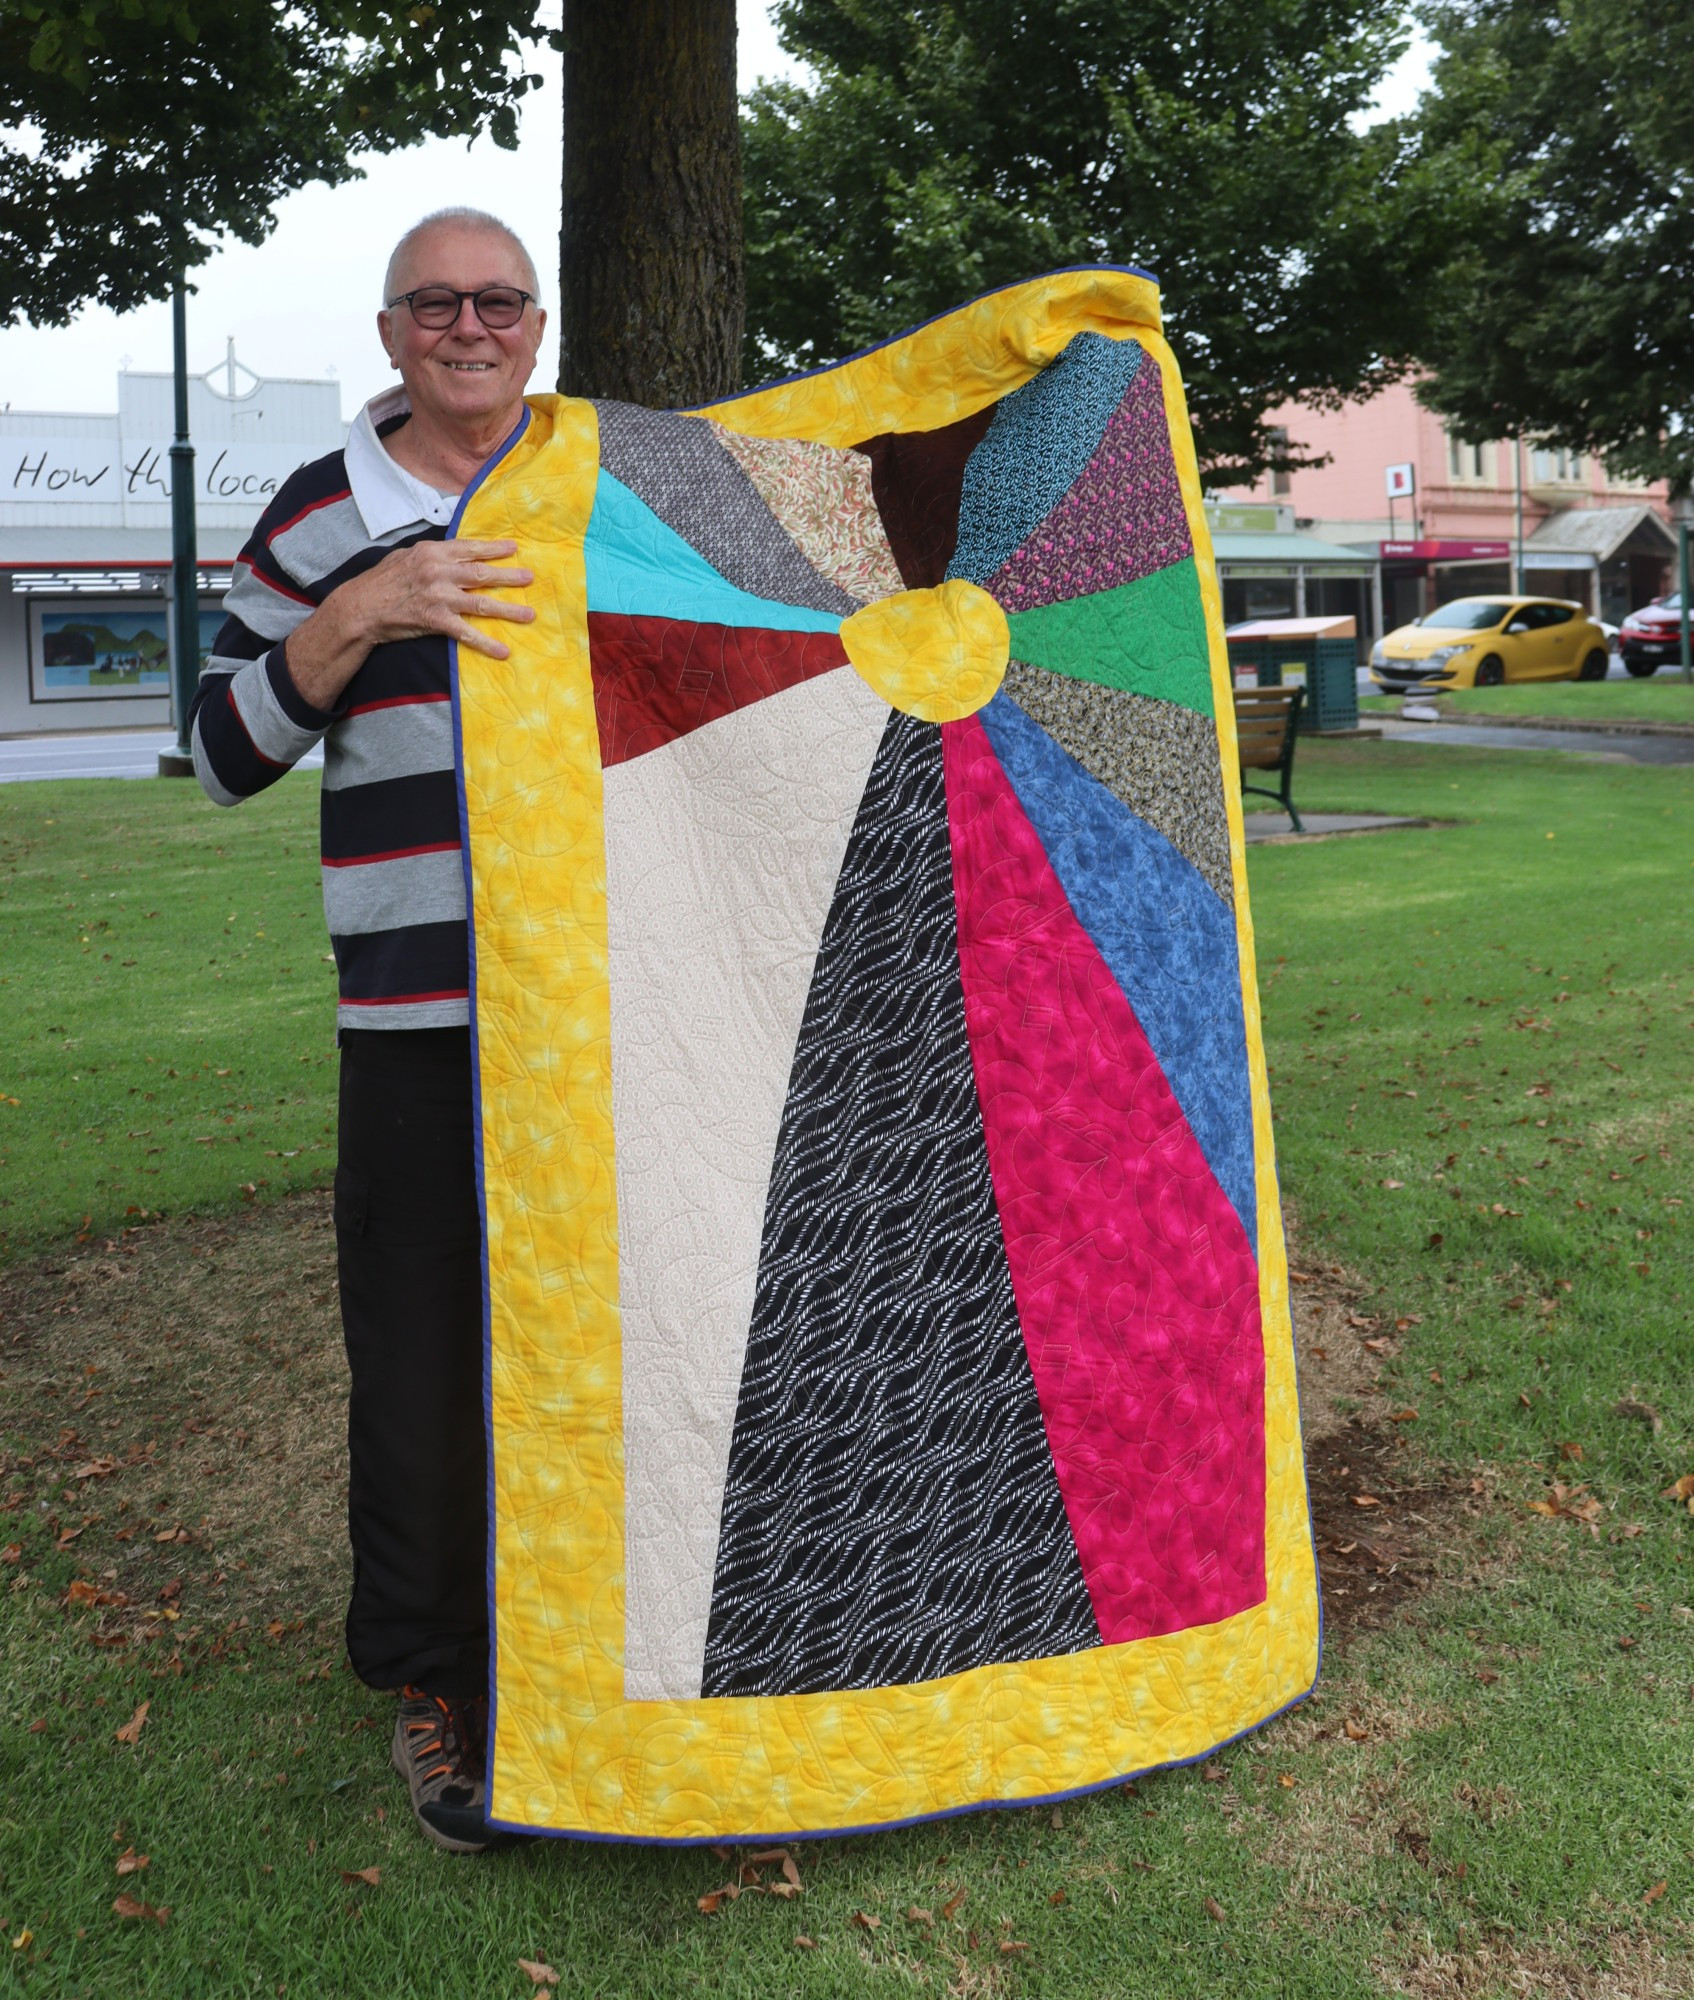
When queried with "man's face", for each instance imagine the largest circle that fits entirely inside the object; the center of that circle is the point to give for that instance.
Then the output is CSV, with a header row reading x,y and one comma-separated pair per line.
x,y
466,372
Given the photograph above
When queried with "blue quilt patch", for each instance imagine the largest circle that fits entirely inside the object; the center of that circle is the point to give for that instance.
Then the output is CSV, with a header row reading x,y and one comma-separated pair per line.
x,y
1164,935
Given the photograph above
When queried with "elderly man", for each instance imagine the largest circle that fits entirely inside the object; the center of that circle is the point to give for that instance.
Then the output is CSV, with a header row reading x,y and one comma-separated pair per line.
x,y
338,626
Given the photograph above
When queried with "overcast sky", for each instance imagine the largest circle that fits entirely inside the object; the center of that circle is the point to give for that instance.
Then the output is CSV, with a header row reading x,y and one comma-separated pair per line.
x,y
303,303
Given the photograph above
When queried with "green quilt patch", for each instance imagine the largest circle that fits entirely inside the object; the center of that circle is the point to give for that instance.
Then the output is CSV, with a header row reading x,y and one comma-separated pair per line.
x,y
1146,637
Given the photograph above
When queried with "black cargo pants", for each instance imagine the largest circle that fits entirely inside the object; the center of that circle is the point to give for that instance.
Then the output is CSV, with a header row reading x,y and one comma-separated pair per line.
x,y
409,1251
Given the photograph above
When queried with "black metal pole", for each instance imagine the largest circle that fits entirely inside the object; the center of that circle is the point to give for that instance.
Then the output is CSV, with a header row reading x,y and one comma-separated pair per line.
x,y
185,580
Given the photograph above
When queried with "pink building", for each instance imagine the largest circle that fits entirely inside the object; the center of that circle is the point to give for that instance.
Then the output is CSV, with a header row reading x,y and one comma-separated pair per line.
x,y
1586,535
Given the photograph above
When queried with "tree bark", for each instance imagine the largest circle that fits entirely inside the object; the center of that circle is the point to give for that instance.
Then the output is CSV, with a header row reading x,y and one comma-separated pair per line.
x,y
652,285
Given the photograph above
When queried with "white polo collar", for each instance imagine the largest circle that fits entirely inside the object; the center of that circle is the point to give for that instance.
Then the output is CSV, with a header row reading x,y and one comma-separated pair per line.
x,y
387,496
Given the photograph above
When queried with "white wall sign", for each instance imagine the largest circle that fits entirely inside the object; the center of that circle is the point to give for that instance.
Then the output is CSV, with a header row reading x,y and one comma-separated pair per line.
x,y
33,470
97,472
1402,482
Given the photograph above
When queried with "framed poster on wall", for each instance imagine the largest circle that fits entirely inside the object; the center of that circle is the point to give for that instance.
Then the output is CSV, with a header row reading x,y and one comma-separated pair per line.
x,y
107,648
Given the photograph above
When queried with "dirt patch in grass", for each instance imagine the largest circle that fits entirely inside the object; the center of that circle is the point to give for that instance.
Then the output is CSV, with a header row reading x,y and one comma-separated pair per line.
x,y
173,1424
1380,1511
173,1410
1627,1967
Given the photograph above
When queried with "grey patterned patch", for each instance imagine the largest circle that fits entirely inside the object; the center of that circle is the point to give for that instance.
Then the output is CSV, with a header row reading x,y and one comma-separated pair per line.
x,y
678,468
1161,760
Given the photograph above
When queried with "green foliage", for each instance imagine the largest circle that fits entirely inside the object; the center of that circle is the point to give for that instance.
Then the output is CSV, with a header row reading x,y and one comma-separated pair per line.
x,y
144,130
167,1015
950,146
1563,306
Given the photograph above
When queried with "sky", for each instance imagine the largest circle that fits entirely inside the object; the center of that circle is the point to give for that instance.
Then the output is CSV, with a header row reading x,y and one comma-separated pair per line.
x,y
303,303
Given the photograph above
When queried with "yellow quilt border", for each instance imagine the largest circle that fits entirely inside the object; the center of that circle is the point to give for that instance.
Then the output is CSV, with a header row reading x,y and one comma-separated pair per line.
x,y
570,1753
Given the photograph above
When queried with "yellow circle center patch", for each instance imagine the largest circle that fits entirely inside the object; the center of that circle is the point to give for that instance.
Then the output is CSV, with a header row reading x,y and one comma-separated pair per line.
x,y
936,654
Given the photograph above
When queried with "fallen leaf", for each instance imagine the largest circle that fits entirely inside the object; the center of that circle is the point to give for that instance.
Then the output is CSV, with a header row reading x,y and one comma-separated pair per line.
x,y
12,1552
1393,1184
131,1730
1383,1346
1643,1413
1287,1780
1365,1500
805,1943
371,1877
1355,1732
950,1909
1360,1319
24,1938
1654,1893
131,1863
916,1916
543,1975
1571,1503
1435,1377
1682,1490
784,1889
1058,1896
1010,1945
1403,1416
865,1921
1317,1353
709,1905
38,1726
1571,1449
1487,1676
126,1905
1626,1642
96,1468
1436,1240
1214,1909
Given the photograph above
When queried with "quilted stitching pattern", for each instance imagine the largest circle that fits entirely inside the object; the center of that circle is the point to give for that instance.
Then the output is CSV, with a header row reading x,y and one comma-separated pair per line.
x,y
1038,445
891,1512
1168,941
823,499
1160,759
571,1751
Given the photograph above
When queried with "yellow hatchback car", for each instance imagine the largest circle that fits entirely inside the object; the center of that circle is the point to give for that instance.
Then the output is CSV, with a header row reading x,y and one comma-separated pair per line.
x,y
1485,641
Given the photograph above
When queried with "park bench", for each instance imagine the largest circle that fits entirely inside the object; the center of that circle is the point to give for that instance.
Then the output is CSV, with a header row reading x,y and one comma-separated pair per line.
x,y
1265,721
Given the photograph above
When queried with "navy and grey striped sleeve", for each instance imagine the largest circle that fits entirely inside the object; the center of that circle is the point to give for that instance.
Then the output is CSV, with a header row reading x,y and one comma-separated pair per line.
x,y
249,722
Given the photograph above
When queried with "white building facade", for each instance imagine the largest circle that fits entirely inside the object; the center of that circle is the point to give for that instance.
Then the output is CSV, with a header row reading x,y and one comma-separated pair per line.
x,y
85,536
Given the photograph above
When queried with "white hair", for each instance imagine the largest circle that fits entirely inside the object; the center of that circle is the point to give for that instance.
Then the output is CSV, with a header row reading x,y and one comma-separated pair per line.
x,y
459,218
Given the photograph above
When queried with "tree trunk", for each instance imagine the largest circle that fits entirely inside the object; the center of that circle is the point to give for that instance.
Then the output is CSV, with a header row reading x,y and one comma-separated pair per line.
x,y
652,286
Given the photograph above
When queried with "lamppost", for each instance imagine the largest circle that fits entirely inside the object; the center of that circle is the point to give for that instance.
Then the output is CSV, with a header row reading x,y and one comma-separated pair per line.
x,y
178,762
1682,513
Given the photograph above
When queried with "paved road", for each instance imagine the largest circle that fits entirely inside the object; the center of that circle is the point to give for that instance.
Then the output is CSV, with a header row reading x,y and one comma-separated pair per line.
x,y
1576,742
115,754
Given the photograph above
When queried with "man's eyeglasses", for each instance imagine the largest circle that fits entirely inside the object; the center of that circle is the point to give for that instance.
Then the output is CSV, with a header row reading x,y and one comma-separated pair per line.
x,y
436,306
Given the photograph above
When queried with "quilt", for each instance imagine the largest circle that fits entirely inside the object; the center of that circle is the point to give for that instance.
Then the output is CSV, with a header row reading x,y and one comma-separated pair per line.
x,y
890,1379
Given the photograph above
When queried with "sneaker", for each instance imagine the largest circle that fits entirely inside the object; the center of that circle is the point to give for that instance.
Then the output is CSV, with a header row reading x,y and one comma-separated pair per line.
x,y
439,1749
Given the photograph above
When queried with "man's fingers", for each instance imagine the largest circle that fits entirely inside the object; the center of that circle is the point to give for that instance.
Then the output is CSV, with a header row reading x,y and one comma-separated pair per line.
x,y
499,579
478,551
482,642
497,607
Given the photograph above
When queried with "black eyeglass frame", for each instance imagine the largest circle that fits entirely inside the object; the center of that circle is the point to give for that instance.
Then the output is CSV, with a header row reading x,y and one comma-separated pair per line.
x,y
405,299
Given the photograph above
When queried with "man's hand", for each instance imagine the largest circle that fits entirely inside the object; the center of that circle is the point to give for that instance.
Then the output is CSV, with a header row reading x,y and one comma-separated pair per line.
x,y
415,593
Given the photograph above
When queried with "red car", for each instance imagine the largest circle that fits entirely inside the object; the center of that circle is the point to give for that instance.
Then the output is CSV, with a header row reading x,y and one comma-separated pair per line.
x,y
1651,636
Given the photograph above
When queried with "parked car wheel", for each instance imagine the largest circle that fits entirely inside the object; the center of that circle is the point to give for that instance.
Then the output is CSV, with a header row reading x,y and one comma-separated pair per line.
x,y
1594,667
1490,672
1641,669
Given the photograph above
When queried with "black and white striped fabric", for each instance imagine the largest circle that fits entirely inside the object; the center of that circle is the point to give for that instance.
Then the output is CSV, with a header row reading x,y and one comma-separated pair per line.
x,y
393,880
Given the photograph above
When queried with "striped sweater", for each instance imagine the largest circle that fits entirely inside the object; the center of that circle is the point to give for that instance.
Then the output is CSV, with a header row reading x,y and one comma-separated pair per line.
x,y
393,879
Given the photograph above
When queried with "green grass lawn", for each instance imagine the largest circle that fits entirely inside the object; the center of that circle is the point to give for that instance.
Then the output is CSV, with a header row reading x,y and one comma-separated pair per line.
x,y
1665,698
1481,1040
167,1017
